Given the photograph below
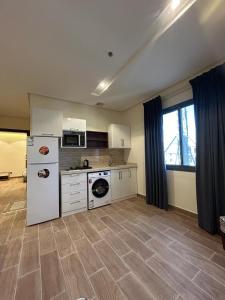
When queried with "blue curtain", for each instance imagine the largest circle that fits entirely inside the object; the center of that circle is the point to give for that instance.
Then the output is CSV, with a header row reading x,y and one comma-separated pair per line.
x,y
209,100
156,187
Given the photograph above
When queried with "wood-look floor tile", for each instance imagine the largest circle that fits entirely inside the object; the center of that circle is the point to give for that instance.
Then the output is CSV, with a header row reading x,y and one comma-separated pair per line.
x,y
172,258
111,260
111,224
157,287
171,223
63,243
29,257
58,225
52,276
176,280
8,283
133,289
210,285
155,233
213,245
88,256
90,232
138,232
30,233
136,245
18,226
69,219
5,225
63,296
118,218
105,287
204,251
99,212
199,261
10,253
47,242
29,287
44,225
80,217
77,284
96,222
74,230
115,242
219,260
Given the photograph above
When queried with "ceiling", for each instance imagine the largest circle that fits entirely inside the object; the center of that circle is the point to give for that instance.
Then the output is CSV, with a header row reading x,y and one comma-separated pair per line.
x,y
59,49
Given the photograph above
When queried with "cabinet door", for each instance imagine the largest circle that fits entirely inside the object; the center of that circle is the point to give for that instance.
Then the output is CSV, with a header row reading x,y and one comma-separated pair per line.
x,y
74,124
132,181
116,184
45,122
119,136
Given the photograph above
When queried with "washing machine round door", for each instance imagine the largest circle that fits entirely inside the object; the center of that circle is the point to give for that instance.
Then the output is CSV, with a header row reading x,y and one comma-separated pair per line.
x,y
100,188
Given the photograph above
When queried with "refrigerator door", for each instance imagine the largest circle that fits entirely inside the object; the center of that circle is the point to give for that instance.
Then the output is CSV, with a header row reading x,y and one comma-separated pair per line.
x,y
42,192
42,150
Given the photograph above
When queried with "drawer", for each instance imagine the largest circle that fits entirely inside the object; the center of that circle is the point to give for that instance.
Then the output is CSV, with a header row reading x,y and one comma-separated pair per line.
x,y
74,178
71,188
74,205
73,196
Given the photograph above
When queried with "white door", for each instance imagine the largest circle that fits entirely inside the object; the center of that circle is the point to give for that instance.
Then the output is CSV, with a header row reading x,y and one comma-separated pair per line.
x,y
74,124
42,150
42,193
116,184
46,122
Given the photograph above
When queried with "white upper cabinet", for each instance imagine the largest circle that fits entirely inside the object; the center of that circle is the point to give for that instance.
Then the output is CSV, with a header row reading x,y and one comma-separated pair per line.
x,y
46,122
119,136
74,124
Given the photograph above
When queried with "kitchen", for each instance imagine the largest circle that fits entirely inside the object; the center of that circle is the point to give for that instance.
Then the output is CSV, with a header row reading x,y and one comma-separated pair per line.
x,y
72,169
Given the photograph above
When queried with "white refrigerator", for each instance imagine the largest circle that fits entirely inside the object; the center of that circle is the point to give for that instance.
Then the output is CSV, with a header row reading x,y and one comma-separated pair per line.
x,y
42,179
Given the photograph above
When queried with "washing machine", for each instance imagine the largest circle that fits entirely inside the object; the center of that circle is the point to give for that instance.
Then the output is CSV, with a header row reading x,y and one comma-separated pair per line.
x,y
99,189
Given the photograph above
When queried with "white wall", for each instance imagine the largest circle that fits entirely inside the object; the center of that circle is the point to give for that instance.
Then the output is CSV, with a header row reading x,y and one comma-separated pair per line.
x,y
98,119
12,153
181,185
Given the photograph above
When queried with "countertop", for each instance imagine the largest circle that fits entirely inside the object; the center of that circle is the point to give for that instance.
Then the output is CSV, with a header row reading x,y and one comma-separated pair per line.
x,y
97,169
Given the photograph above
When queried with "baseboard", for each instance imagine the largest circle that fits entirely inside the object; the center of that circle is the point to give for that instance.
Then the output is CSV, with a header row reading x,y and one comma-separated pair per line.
x,y
181,210
141,196
124,198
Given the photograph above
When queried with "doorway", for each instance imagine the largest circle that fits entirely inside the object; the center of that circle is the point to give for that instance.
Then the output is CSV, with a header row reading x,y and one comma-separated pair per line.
x,y
13,144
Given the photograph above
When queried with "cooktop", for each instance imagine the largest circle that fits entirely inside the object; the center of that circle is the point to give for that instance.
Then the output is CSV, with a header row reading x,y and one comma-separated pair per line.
x,y
78,168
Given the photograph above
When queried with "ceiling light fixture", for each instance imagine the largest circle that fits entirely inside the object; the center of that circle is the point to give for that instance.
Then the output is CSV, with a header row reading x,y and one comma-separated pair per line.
x,y
101,87
175,4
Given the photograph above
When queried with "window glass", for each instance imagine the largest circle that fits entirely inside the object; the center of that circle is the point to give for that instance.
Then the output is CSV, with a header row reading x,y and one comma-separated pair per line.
x,y
171,138
188,135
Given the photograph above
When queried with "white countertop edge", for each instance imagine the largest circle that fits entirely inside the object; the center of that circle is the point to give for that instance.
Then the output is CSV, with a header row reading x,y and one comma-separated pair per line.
x,y
117,167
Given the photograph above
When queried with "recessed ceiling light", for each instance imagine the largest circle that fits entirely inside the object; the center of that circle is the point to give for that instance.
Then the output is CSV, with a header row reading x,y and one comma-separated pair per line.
x,y
175,4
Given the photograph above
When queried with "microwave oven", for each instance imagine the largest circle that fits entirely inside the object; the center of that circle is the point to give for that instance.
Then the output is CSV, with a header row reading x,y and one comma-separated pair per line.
x,y
73,139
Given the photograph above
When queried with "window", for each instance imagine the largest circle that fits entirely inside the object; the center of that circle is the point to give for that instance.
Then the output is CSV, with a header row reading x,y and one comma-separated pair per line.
x,y
180,137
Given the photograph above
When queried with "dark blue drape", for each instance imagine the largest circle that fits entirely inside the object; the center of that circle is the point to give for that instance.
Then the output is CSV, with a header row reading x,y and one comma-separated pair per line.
x,y
156,187
209,100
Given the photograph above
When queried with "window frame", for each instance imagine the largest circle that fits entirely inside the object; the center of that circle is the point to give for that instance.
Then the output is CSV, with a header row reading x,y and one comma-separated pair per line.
x,y
178,108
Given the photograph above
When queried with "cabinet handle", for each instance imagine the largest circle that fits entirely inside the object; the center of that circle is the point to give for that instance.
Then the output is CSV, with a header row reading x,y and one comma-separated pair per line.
x,y
74,193
130,173
47,134
121,175
74,202
74,175
122,142
72,184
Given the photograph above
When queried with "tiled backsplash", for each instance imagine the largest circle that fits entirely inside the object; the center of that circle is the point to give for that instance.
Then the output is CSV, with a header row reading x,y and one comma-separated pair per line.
x,y
97,157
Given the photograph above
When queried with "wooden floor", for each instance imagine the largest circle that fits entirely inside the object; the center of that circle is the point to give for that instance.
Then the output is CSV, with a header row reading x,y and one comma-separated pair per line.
x,y
124,251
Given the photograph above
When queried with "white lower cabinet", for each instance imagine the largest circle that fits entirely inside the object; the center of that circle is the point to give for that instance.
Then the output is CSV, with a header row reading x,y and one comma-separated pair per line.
x,y
123,183
73,193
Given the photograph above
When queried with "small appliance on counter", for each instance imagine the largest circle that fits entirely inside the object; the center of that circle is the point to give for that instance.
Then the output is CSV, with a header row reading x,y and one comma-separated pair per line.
x,y
42,179
86,164
99,189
